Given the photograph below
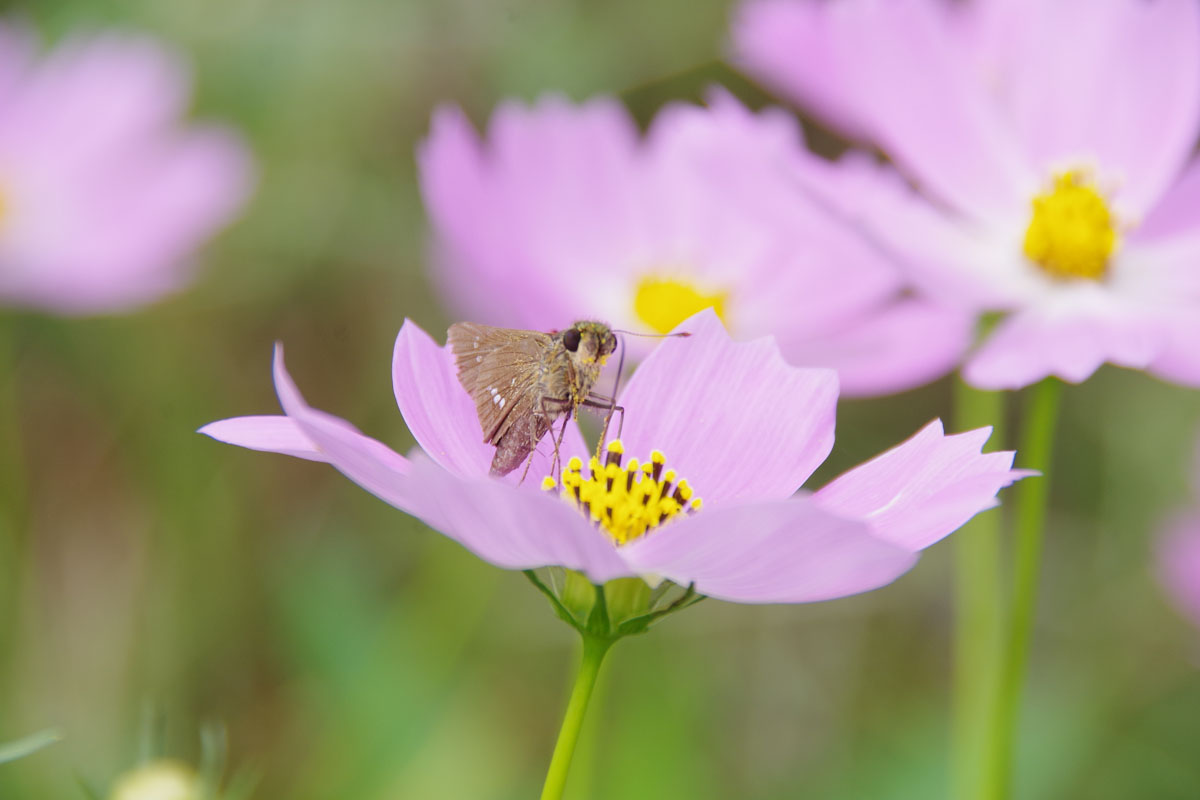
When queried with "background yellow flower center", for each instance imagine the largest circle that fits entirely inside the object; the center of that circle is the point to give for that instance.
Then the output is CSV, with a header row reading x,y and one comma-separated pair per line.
x,y
158,780
1072,233
663,303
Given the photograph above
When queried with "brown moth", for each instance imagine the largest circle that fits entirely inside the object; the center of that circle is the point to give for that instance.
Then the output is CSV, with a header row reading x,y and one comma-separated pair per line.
x,y
522,381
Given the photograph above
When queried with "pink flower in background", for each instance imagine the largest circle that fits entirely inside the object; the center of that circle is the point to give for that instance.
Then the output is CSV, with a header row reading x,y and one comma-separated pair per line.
x,y
1052,142
1178,556
104,193
567,212
729,427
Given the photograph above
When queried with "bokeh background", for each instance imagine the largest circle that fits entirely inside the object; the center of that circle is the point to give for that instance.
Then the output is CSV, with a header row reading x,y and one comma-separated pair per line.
x,y
162,582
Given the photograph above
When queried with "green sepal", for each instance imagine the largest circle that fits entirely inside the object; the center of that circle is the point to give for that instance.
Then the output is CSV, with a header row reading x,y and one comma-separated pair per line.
x,y
627,598
598,623
642,623
578,595
555,603
622,607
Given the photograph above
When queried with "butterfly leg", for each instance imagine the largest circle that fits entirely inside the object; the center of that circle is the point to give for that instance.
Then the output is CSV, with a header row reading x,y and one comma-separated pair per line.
x,y
539,421
549,413
556,465
528,464
605,403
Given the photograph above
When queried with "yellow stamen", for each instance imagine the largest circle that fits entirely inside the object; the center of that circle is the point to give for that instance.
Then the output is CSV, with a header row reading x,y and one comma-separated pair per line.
x,y
663,303
626,501
1072,233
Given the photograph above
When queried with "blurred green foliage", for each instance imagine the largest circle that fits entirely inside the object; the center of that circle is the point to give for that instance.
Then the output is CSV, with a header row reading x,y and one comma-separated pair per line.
x,y
350,652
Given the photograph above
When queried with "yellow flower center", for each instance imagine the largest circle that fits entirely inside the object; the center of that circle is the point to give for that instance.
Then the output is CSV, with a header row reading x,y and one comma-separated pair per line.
x,y
158,780
663,303
1072,232
627,501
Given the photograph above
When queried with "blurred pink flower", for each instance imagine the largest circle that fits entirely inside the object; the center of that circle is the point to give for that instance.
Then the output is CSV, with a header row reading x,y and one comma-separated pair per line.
x,y
737,425
1053,144
567,212
104,194
1178,556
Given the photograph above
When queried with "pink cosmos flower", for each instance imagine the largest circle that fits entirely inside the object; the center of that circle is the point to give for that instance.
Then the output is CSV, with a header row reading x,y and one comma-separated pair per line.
x,y
739,427
568,212
1052,142
1178,557
104,195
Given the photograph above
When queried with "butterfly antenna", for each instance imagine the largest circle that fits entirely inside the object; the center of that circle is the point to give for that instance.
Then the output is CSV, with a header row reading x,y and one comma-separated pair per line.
x,y
612,406
676,334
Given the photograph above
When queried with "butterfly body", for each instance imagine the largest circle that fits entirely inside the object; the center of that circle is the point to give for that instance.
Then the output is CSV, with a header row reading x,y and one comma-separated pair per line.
x,y
522,381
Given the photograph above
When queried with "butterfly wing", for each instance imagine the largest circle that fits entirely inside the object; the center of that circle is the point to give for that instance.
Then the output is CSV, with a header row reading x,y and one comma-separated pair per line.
x,y
502,370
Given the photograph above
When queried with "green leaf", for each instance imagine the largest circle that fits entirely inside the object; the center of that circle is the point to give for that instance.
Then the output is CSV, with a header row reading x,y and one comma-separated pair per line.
x,y
30,744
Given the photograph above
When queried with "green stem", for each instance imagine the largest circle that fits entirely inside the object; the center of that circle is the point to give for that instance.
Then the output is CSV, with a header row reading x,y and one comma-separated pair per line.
x,y
1032,497
14,489
978,604
594,649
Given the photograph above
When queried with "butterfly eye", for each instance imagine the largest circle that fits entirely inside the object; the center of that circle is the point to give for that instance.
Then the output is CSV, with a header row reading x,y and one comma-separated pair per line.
x,y
610,343
571,339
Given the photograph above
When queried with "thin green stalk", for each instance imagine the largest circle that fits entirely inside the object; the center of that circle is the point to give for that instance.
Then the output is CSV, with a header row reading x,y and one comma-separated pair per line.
x,y
1032,497
978,617
14,489
12,463
594,650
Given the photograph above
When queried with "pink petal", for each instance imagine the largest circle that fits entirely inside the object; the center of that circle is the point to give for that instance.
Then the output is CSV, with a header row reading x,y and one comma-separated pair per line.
x,y
1116,84
17,48
914,73
95,94
267,434
1179,360
454,185
757,231
784,551
1178,211
906,344
793,47
922,490
369,463
437,410
106,199
1178,565
953,260
733,418
316,436
1069,335
441,415
899,67
509,528
529,228
107,243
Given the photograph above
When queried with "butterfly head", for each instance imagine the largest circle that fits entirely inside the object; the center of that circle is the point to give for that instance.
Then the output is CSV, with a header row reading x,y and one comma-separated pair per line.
x,y
589,342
